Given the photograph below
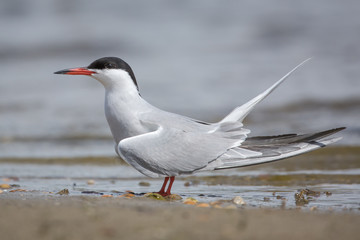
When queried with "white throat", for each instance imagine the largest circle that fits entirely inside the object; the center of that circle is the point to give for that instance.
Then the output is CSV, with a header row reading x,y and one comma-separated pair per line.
x,y
116,79
123,103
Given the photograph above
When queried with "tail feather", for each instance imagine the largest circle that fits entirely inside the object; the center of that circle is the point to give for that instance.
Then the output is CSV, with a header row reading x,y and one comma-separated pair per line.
x,y
273,148
319,135
288,138
260,160
239,113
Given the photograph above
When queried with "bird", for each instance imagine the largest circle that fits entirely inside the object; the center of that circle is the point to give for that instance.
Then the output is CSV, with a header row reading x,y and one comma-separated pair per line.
x,y
159,143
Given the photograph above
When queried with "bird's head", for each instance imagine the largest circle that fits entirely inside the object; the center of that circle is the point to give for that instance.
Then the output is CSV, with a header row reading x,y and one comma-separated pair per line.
x,y
110,71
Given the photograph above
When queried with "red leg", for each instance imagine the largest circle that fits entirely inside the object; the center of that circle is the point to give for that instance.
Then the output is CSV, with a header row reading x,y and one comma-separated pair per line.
x,y
168,191
162,190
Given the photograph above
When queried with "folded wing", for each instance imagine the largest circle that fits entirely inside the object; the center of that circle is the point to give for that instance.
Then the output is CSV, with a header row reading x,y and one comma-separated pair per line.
x,y
171,151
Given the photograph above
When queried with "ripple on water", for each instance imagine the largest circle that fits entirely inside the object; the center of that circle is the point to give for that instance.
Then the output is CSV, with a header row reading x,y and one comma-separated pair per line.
x,y
116,180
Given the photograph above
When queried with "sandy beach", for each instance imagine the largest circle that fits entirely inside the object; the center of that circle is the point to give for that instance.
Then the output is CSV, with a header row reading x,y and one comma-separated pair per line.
x,y
66,217
99,208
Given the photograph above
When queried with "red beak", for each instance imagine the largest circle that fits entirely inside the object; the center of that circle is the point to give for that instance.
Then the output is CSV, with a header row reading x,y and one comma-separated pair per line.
x,y
76,71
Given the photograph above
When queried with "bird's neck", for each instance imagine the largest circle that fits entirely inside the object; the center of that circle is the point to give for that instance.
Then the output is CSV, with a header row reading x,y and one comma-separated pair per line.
x,y
123,105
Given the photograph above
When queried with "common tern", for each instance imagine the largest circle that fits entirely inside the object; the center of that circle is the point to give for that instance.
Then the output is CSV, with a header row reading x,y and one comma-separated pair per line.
x,y
158,143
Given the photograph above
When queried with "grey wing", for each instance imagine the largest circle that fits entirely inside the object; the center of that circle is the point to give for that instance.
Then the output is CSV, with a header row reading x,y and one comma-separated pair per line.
x,y
172,151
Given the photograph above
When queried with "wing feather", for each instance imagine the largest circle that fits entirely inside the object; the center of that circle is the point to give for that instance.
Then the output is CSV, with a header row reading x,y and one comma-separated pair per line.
x,y
170,151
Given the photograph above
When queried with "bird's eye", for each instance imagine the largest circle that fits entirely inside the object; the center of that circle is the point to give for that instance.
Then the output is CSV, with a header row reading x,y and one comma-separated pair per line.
x,y
109,65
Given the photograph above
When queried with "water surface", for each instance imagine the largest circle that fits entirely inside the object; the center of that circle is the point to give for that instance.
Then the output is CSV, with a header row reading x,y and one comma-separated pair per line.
x,y
200,59
97,180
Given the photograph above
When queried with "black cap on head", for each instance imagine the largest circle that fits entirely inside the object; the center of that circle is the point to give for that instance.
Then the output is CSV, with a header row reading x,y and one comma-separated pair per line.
x,y
113,63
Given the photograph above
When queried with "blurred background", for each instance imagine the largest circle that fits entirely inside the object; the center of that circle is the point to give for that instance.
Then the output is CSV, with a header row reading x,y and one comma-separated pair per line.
x,y
197,58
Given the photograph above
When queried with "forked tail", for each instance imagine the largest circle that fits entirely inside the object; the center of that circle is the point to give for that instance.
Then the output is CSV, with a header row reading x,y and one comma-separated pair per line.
x,y
239,113
257,150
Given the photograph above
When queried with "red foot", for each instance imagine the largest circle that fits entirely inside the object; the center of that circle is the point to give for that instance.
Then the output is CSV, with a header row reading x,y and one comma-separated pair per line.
x,y
168,191
163,194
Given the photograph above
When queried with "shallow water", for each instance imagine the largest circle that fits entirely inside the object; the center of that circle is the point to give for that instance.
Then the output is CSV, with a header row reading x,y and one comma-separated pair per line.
x,y
200,59
43,180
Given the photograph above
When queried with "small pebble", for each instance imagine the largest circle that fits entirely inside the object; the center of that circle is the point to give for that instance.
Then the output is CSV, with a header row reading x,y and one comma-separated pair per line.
x,y
217,203
5,186
155,196
190,201
309,192
8,179
187,184
173,197
238,200
90,182
300,199
115,191
65,191
107,196
313,208
127,195
18,190
205,205
144,184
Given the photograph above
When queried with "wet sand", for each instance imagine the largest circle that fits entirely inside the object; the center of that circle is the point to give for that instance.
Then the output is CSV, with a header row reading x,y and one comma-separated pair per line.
x,y
31,209
64,217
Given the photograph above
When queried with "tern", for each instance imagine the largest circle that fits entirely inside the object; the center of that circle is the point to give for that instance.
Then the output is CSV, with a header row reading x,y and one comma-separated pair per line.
x,y
158,143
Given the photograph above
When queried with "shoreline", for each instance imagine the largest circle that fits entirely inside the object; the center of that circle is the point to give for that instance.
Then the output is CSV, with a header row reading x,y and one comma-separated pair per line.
x,y
69,217
34,211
